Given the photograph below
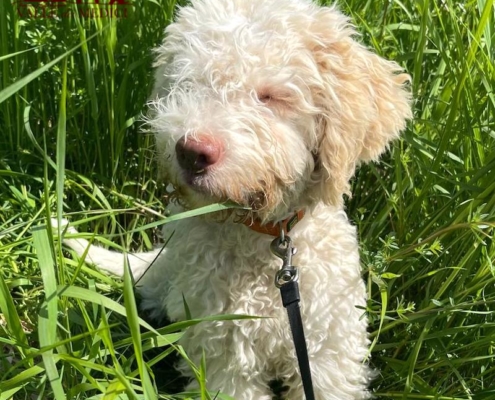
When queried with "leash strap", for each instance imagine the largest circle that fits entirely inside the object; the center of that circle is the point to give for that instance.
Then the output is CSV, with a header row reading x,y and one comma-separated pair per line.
x,y
290,300
286,280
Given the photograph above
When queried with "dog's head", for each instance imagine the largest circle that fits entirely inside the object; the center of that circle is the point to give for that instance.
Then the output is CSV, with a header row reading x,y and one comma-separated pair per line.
x,y
270,104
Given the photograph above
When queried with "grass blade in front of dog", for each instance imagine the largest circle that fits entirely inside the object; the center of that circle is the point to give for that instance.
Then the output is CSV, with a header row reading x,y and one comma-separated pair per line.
x,y
97,298
188,214
47,318
133,319
121,381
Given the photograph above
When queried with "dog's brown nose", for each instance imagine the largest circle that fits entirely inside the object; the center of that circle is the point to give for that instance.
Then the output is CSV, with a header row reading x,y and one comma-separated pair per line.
x,y
197,154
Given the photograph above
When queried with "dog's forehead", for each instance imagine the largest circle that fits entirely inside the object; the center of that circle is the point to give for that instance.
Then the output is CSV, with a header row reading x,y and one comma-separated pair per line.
x,y
230,16
224,40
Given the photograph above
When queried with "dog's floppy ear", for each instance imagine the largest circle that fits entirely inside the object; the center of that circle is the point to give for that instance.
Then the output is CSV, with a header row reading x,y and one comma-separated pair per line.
x,y
363,98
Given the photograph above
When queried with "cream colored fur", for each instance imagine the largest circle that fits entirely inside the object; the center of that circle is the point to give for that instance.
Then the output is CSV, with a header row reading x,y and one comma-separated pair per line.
x,y
296,103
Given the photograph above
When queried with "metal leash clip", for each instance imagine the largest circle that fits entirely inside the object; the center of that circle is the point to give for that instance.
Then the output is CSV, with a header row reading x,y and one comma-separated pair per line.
x,y
286,280
282,248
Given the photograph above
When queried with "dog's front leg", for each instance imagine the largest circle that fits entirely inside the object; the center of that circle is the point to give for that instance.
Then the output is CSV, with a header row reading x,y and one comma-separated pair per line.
x,y
107,260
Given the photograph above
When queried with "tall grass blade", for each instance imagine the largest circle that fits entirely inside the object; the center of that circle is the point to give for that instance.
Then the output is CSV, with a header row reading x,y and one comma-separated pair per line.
x,y
49,312
133,319
61,143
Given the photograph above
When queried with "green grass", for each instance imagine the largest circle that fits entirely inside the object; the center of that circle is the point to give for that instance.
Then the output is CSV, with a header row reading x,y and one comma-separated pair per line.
x,y
71,95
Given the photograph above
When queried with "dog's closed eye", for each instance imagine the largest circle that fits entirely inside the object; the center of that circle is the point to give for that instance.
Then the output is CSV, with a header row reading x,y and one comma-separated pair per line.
x,y
264,97
272,98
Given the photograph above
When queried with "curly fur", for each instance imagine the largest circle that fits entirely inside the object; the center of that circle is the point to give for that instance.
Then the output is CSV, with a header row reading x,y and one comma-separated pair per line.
x,y
296,104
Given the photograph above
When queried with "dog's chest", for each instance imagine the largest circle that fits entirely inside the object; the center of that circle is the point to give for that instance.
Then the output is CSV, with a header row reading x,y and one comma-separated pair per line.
x,y
219,273
228,269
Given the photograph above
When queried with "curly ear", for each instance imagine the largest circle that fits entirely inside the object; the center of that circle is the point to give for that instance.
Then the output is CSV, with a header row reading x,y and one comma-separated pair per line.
x,y
364,101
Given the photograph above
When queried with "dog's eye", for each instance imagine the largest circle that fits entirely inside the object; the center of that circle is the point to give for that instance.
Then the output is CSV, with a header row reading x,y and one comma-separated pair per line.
x,y
264,97
275,99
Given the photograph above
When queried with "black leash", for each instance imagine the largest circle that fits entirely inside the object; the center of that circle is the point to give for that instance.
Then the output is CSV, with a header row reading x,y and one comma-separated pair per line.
x,y
286,280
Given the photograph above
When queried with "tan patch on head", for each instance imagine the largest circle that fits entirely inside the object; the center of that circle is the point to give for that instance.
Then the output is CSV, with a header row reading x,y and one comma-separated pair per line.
x,y
364,100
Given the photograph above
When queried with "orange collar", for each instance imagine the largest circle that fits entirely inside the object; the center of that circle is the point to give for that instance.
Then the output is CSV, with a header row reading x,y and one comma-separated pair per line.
x,y
273,229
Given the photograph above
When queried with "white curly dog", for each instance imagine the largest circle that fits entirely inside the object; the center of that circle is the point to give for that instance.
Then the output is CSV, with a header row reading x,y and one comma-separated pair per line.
x,y
270,104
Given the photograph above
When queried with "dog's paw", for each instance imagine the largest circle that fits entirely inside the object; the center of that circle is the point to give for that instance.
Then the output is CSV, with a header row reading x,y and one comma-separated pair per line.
x,y
64,225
